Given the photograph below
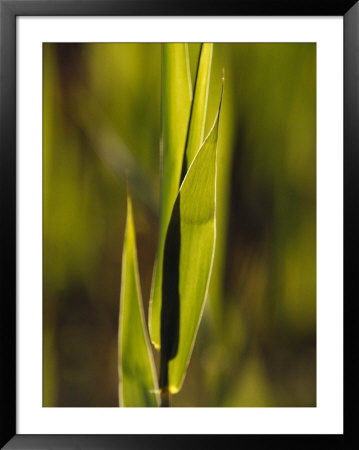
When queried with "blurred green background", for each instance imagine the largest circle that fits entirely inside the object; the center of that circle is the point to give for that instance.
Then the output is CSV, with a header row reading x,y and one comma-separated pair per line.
x,y
256,345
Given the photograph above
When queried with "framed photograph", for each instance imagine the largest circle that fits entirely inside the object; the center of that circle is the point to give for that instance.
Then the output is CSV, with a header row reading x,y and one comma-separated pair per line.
x,y
174,187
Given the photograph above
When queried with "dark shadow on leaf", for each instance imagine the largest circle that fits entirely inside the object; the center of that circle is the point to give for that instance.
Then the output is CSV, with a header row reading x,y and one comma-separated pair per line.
x,y
170,312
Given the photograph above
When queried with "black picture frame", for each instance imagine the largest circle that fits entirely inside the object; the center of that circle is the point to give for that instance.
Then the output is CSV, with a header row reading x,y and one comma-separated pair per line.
x,y
9,10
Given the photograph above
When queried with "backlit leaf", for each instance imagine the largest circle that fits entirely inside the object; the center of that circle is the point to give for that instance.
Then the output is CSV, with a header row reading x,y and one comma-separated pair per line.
x,y
176,103
193,140
137,378
188,259
199,104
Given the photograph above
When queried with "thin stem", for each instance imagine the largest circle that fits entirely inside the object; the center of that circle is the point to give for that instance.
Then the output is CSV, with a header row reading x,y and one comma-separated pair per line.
x,y
165,398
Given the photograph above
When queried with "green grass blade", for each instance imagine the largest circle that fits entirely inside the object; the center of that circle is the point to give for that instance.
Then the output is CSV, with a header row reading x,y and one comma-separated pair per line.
x,y
199,104
137,379
188,260
176,104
